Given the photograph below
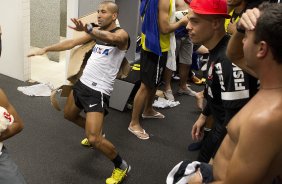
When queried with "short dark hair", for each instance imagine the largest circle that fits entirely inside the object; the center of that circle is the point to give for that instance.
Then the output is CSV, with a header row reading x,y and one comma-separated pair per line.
x,y
269,28
113,6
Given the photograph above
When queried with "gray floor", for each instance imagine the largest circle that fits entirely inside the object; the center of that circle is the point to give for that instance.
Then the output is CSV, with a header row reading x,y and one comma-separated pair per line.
x,y
48,150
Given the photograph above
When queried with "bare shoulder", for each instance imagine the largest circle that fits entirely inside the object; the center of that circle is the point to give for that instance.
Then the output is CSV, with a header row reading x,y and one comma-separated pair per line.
x,y
122,38
123,33
264,114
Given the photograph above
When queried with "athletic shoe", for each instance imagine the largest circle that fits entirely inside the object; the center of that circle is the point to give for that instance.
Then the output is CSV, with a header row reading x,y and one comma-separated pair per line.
x,y
203,81
196,80
189,91
175,76
195,146
118,175
168,95
86,143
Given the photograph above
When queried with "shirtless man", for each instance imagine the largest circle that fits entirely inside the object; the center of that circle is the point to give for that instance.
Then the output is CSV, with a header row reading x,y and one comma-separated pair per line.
x,y
251,152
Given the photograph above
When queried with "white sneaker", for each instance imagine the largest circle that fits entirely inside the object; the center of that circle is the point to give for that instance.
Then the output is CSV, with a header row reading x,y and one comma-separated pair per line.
x,y
168,95
175,77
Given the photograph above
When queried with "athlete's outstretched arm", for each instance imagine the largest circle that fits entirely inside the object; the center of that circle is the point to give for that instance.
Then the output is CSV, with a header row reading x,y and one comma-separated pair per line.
x,y
61,46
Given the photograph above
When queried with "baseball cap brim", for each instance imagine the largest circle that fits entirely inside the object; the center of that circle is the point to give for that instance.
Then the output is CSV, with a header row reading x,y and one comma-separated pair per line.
x,y
227,16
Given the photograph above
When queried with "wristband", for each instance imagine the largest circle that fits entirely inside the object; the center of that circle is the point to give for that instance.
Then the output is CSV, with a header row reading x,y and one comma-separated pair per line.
x,y
89,28
240,30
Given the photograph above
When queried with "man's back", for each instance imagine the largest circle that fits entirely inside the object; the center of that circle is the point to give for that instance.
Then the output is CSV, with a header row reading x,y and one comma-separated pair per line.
x,y
253,141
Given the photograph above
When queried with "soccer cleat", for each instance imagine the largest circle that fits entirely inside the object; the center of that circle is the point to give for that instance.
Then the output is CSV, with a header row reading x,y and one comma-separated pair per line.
x,y
118,175
196,80
86,143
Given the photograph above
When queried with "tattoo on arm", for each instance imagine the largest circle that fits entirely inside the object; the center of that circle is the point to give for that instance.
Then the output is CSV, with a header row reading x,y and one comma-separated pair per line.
x,y
98,33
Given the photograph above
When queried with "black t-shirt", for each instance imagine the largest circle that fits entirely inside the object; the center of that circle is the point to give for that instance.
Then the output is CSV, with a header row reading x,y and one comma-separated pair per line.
x,y
212,88
237,87
228,85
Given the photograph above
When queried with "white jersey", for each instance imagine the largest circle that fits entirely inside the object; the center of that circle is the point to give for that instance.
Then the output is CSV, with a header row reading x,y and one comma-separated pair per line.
x,y
102,67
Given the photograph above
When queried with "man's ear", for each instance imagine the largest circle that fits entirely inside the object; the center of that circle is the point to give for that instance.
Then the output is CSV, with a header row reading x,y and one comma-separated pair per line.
x,y
115,16
217,23
262,49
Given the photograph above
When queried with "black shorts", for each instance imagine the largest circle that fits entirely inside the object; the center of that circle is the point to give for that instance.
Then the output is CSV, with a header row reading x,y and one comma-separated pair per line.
x,y
207,172
212,142
90,100
152,68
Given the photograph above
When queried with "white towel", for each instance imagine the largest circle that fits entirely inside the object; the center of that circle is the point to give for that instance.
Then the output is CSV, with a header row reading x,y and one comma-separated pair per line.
x,y
163,103
36,90
190,169
6,119
171,58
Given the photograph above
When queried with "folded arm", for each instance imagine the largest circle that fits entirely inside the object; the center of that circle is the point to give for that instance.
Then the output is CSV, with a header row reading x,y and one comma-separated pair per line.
x,y
17,125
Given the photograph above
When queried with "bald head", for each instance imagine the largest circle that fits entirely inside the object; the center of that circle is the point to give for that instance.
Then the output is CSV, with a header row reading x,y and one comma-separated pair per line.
x,y
112,6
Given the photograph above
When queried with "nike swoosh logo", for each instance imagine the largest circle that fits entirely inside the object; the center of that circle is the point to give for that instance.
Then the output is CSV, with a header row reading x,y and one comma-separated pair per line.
x,y
92,105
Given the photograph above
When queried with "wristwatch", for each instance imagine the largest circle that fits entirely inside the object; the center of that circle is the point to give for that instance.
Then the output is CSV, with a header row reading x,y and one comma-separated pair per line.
x,y
89,28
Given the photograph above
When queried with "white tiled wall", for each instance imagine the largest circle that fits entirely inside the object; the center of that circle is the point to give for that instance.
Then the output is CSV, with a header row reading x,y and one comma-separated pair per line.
x,y
15,37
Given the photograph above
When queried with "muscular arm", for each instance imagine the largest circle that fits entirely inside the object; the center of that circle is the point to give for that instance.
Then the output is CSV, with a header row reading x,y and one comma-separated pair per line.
x,y
17,125
235,45
64,45
69,43
235,52
119,38
164,24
